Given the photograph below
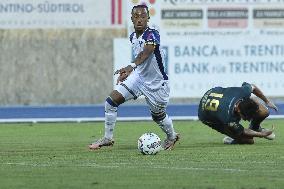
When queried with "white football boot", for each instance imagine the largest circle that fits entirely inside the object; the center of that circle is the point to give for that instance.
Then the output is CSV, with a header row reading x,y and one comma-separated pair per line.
x,y
100,143
169,144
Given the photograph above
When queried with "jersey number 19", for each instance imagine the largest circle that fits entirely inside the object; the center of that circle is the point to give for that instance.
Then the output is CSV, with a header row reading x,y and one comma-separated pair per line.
x,y
213,103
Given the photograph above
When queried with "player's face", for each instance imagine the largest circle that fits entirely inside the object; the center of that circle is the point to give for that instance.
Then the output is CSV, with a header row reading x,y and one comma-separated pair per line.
x,y
140,19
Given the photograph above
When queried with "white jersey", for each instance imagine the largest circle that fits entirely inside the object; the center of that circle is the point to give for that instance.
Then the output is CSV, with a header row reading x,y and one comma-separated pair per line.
x,y
151,71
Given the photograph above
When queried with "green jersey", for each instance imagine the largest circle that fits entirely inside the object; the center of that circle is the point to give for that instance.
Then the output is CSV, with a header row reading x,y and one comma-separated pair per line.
x,y
217,105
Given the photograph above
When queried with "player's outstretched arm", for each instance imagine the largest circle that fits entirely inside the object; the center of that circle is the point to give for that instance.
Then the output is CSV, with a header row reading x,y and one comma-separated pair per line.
x,y
259,93
262,133
270,104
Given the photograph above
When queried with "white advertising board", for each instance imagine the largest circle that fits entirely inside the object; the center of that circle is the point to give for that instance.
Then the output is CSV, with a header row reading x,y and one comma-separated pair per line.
x,y
17,14
201,63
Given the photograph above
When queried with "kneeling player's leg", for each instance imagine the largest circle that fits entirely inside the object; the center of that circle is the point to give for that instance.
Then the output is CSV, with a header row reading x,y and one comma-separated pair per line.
x,y
245,140
260,115
235,131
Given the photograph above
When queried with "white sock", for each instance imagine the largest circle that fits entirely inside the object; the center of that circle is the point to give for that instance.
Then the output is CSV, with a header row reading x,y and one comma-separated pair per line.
x,y
167,126
110,120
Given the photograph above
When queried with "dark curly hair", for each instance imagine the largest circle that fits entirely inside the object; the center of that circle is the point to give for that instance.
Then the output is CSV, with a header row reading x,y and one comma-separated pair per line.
x,y
143,7
248,108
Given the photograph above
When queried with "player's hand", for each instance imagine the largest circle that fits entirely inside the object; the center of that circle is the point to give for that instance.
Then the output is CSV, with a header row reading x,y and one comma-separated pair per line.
x,y
122,76
272,105
127,69
123,73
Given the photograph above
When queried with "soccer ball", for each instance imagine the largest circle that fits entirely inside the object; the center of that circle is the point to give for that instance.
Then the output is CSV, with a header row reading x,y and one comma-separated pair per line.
x,y
149,144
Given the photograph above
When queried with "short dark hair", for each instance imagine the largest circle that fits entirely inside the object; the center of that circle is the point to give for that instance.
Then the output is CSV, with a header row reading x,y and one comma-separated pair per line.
x,y
248,108
143,7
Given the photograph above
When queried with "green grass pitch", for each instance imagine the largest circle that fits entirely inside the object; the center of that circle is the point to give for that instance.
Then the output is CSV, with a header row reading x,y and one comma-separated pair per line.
x,y
55,155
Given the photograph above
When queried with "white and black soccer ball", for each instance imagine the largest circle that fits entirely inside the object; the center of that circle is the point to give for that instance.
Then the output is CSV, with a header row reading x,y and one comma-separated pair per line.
x,y
149,144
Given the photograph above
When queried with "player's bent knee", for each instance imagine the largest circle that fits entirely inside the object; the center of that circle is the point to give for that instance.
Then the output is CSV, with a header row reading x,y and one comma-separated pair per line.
x,y
116,97
158,116
250,141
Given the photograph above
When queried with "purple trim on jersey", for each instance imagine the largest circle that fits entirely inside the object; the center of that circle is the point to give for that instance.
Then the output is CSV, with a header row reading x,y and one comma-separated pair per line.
x,y
109,100
151,36
131,37
158,56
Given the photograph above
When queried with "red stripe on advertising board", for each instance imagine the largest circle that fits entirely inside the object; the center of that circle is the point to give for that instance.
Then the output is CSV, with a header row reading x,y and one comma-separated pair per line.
x,y
113,11
119,11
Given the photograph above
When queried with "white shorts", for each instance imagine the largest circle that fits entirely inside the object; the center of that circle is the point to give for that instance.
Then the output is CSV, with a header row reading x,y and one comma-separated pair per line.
x,y
133,87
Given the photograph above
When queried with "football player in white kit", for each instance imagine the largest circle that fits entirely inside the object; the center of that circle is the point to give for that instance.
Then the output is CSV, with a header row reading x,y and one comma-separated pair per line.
x,y
144,76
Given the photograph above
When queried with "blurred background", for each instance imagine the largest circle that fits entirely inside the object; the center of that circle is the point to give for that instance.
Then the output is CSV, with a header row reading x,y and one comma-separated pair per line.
x,y
64,52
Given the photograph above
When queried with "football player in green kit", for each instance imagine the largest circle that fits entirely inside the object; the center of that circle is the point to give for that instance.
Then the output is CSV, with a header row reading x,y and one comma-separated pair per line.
x,y
223,108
